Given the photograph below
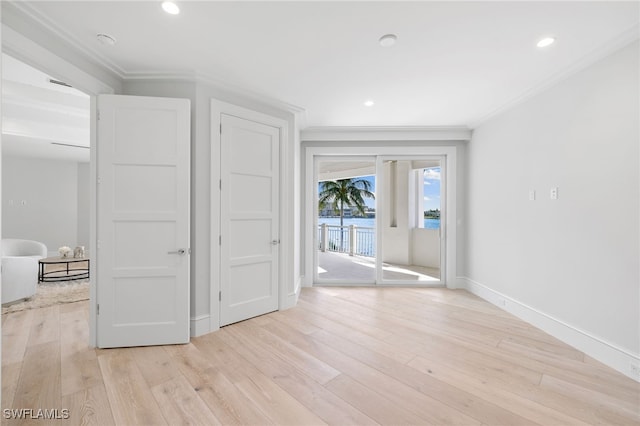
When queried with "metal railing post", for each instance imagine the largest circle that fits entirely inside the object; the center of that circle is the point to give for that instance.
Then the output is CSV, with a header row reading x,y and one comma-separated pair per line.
x,y
324,237
352,240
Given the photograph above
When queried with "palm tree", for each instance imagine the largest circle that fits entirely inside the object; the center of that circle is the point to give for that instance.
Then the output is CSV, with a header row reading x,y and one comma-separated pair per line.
x,y
344,193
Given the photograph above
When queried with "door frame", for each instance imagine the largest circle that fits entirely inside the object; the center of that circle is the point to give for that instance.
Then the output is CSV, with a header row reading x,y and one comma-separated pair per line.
x,y
31,53
450,161
285,256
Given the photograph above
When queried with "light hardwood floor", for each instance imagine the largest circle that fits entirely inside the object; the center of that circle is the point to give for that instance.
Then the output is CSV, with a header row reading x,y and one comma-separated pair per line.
x,y
343,356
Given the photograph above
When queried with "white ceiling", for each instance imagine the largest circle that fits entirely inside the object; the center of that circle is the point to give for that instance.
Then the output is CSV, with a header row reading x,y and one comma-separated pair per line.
x,y
41,119
455,63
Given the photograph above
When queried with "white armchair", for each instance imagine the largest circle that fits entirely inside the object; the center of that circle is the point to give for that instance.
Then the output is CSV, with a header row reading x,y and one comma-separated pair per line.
x,y
20,268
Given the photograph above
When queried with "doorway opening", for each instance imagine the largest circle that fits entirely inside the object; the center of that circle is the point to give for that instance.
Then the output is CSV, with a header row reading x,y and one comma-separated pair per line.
x,y
379,220
46,183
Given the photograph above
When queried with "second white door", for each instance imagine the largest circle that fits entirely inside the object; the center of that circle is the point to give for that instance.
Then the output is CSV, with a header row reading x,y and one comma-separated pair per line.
x,y
249,226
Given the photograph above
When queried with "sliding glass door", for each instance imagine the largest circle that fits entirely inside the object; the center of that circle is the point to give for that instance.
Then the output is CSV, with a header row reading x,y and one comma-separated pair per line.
x,y
379,220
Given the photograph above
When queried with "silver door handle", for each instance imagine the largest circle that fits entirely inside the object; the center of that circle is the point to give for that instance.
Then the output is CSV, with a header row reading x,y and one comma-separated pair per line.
x,y
275,242
181,252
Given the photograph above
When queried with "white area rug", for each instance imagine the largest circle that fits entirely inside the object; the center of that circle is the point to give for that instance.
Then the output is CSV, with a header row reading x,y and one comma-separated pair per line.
x,y
49,294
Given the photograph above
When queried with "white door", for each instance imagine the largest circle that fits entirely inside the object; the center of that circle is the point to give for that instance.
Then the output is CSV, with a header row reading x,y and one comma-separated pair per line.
x,y
143,154
249,246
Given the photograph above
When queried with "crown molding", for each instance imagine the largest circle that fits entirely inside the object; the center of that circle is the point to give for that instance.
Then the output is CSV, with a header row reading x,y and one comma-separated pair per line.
x,y
386,133
217,83
30,12
251,94
625,38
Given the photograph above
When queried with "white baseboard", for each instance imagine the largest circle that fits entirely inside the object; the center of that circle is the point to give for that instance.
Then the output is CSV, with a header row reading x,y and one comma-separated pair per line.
x,y
299,284
291,299
609,354
200,325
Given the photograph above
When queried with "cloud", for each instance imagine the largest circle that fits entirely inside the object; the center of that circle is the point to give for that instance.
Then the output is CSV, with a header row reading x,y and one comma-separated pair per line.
x,y
427,198
432,174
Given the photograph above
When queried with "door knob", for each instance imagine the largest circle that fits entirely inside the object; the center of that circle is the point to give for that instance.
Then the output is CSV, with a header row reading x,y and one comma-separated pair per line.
x,y
275,242
181,252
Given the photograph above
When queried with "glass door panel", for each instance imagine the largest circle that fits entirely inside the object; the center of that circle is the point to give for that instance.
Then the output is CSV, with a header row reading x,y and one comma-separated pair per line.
x,y
346,220
410,225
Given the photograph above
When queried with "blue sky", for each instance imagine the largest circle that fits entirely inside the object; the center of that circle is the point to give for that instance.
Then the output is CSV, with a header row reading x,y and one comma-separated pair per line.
x,y
431,189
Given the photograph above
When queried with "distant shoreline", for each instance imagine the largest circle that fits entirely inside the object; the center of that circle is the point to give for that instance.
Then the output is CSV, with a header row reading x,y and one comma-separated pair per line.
x,y
370,222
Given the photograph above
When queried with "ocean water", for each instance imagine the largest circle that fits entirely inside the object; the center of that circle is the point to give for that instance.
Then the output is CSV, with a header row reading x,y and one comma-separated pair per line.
x,y
370,222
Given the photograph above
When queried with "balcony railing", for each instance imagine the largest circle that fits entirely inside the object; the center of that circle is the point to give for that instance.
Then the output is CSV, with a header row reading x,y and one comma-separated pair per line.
x,y
350,239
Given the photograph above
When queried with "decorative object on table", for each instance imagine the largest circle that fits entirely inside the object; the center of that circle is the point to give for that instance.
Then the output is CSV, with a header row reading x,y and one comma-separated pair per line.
x,y
65,251
78,252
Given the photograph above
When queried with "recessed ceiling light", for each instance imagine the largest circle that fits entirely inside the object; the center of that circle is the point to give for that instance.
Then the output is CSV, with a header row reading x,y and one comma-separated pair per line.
x,y
388,40
547,41
369,103
106,39
170,7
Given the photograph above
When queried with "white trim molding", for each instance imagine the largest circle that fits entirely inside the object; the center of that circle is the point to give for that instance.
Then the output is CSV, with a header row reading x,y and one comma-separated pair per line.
x,y
609,354
389,133
200,325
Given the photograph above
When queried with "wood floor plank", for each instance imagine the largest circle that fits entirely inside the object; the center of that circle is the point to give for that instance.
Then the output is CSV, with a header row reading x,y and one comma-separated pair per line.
x,y
155,365
371,403
39,383
130,398
365,327
272,401
610,409
323,323
485,361
79,362
181,405
275,403
452,396
89,406
310,365
10,377
310,393
45,326
573,370
498,394
15,331
422,405
80,371
74,335
303,325
224,400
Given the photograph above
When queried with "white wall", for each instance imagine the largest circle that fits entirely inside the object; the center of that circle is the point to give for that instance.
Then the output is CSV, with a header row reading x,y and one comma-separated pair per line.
x,y
573,260
84,204
396,236
425,246
40,201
